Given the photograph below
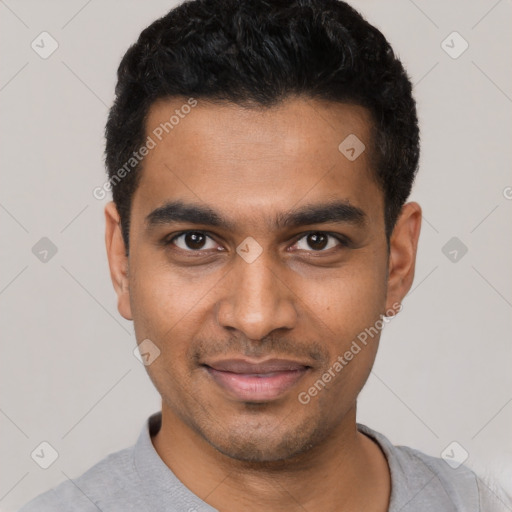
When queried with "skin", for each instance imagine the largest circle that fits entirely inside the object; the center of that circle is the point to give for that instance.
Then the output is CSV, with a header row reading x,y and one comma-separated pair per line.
x,y
296,301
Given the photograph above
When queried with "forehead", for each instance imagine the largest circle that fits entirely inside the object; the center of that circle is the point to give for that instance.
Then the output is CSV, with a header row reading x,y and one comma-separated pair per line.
x,y
251,160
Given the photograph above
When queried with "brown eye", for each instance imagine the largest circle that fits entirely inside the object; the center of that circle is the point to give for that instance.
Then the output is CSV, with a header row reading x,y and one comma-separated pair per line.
x,y
317,241
193,241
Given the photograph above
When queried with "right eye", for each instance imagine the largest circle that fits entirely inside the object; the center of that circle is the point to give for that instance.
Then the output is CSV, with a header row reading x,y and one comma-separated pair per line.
x,y
192,241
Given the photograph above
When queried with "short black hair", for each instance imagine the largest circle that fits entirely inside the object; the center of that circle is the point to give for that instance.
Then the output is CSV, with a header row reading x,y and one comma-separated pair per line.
x,y
256,53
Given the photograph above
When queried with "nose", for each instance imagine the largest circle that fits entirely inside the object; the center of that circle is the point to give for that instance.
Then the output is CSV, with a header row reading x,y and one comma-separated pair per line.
x,y
256,300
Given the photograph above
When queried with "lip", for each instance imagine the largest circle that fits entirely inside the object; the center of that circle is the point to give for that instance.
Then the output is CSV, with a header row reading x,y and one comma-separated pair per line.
x,y
252,381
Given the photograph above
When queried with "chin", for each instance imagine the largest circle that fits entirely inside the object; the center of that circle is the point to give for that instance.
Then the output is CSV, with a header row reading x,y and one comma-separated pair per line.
x,y
267,445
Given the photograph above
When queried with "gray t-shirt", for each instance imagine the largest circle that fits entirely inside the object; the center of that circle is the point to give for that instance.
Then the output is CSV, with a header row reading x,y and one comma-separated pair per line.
x,y
137,479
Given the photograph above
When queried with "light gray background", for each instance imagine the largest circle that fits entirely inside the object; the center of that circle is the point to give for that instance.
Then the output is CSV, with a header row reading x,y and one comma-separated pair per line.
x,y
68,373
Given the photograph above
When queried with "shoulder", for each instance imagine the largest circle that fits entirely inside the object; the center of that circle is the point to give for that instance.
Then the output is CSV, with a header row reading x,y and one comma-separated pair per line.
x,y
467,490
423,482
459,483
110,481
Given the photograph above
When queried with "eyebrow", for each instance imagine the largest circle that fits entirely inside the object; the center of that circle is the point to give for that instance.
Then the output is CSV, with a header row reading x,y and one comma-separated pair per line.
x,y
339,212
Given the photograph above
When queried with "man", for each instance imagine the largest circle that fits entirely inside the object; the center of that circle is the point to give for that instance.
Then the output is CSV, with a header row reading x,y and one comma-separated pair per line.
x,y
260,156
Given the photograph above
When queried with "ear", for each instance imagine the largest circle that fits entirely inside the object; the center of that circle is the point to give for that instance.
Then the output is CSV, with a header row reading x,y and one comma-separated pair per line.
x,y
402,255
117,259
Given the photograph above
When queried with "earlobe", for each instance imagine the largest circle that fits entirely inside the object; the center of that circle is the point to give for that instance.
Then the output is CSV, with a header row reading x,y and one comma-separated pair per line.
x,y
402,254
117,259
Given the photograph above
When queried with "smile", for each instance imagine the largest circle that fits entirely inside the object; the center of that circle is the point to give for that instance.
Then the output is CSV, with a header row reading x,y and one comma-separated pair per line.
x,y
256,382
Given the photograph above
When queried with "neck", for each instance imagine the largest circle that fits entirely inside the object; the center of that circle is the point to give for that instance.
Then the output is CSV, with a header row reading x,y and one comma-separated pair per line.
x,y
348,471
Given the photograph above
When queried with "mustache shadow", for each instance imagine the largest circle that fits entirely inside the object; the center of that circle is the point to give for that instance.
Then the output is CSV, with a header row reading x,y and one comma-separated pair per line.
x,y
268,347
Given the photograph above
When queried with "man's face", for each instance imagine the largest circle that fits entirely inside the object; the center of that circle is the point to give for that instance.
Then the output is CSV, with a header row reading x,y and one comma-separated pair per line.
x,y
263,283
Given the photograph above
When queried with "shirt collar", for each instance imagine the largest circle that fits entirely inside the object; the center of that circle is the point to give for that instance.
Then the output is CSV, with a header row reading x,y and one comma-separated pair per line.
x,y
163,489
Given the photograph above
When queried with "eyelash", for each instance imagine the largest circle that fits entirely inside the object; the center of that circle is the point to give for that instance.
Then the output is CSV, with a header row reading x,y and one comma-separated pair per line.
x,y
344,242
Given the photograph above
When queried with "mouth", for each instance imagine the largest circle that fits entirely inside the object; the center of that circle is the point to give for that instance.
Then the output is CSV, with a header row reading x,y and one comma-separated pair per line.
x,y
250,381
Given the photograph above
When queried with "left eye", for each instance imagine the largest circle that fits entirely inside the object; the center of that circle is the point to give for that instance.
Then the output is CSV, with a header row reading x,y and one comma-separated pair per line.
x,y
318,241
193,241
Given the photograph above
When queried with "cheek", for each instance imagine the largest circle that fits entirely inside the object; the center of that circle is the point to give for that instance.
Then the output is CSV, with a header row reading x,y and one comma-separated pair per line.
x,y
347,302
169,309
160,298
163,312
